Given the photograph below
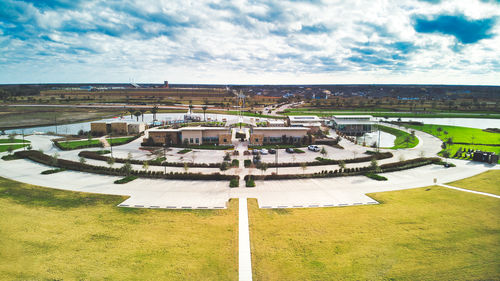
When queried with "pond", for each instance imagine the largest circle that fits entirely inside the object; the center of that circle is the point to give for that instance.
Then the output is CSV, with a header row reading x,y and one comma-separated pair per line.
x,y
148,118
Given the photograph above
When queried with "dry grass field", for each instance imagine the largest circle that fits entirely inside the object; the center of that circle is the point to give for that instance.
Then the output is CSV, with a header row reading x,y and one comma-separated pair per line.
x,y
48,234
431,233
488,181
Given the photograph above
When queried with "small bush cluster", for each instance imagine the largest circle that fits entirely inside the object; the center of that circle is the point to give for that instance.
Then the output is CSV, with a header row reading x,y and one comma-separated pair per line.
x,y
234,182
249,181
247,163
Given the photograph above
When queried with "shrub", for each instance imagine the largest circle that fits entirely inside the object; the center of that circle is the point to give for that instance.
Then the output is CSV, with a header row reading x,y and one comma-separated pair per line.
x,y
250,182
296,150
247,163
184,151
235,163
376,177
52,171
223,166
125,180
234,182
10,157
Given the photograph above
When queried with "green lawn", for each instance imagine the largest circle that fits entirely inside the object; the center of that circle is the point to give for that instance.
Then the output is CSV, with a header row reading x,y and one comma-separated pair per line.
x,y
49,234
485,182
4,147
459,134
13,141
455,147
92,142
401,136
431,233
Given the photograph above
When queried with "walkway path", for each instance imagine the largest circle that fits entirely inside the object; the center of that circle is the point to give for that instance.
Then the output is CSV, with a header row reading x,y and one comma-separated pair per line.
x,y
471,191
245,258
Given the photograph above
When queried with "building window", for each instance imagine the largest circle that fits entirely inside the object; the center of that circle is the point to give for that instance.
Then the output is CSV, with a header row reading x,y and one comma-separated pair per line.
x,y
225,140
191,140
256,140
197,140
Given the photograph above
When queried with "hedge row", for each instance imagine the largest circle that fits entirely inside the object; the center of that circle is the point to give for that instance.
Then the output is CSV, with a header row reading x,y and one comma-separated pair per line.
x,y
324,161
96,156
40,157
390,167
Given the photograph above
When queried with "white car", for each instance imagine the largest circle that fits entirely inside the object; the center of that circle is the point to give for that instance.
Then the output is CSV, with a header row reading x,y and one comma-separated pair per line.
x,y
314,148
264,151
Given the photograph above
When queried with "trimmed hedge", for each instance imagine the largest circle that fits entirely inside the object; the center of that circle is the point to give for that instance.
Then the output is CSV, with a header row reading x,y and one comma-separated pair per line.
x,y
324,161
45,159
376,177
125,180
234,182
52,171
390,167
96,156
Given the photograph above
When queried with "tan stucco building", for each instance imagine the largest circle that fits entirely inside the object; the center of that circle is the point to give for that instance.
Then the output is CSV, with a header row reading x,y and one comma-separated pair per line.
x,y
277,135
191,135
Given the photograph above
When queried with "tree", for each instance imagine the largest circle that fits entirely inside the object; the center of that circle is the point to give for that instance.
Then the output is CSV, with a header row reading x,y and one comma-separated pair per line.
x,y
137,114
446,154
323,152
12,137
374,165
407,140
204,110
190,108
55,157
304,167
186,167
127,168
111,162
154,110
449,140
439,130
82,160
10,149
132,111
145,166
262,167
89,137
142,111
342,164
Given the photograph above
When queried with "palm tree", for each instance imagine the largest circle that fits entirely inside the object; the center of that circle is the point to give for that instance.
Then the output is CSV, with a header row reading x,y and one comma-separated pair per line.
x,y
204,110
190,109
137,114
154,110
142,110
132,111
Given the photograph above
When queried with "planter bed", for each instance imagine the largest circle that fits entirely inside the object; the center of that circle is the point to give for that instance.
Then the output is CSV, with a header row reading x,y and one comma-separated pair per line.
x,y
324,161
96,156
390,167
45,159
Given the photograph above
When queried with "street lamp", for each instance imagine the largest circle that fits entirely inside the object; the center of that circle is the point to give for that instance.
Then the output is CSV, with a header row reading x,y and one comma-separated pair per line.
x,y
277,146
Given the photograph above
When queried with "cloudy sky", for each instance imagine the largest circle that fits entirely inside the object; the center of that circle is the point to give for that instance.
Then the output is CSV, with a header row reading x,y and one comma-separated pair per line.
x,y
251,41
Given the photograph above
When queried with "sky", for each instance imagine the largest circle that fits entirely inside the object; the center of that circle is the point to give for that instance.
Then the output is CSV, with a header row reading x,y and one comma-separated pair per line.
x,y
251,41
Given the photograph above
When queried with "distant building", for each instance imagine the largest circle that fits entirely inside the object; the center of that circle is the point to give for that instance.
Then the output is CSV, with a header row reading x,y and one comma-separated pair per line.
x,y
312,122
276,123
353,125
116,128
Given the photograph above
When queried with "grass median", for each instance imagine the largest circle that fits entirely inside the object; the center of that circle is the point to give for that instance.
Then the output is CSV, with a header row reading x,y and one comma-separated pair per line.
x,y
93,142
431,233
403,139
49,234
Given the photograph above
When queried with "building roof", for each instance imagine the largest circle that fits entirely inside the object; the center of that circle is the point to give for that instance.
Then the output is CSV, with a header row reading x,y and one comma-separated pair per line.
x,y
306,124
352,116
303,118
276,121
204,129
280,129
353,122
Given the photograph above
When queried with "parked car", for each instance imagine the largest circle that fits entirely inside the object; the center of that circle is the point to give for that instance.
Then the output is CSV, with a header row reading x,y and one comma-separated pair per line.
x,y
289,150
272,151
255,151
264,151
314,148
